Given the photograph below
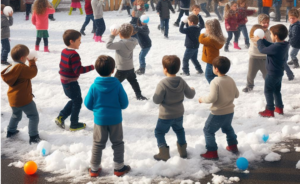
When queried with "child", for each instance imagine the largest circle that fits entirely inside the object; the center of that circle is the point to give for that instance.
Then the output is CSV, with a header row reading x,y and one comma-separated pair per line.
x,y
223,91
196,11
144,41
231,25
106,98
203,4
192,44
41,10
126,4
18,77
97,6
162,8
75,4
169,94
277,55
124,57
51,16
28,4
213,40
70,70
277,4
184,9
243,12
5,34
138,11
89,16
294,36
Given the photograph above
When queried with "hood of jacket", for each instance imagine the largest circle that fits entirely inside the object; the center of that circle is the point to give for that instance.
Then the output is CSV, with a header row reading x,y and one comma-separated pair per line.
x,y
129,43
174,84
106,84
11,77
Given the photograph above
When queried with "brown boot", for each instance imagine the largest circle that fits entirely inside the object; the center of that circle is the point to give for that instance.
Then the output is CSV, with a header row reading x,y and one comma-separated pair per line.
x,y
182,150
164,154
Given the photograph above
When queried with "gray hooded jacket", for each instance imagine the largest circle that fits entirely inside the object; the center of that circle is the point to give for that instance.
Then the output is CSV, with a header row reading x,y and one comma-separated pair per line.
x,y
97,6
5,23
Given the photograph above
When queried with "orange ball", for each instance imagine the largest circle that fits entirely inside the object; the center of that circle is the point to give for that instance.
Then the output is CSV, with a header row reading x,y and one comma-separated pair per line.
x,y
30,167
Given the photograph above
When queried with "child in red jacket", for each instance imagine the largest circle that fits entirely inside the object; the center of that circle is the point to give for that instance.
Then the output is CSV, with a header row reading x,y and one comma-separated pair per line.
x,y
231,24
75,4
89,16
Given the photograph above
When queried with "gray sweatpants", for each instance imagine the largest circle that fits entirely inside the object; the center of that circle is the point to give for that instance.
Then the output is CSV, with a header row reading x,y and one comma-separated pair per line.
x,y
31,113
256,64
101,133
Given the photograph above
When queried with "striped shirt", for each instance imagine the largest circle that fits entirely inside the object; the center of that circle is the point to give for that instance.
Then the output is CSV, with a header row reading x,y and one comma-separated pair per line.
x,y
70,66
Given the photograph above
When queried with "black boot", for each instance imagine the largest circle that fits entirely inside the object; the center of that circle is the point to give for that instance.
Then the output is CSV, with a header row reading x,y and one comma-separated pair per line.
x,y
10,134
82,32
176,24
34,139
226,48
140,71
93,31
296,63
139,96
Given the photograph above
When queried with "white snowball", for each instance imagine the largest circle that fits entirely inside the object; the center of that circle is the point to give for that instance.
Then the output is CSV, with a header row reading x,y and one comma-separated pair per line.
x,y
260,33
272,14
271,157
43,145
114,27
203,31
7,10
184,19
32,54
298,165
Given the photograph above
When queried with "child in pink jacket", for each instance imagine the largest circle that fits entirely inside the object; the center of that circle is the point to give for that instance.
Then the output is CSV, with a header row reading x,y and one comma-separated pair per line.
x,y
41,10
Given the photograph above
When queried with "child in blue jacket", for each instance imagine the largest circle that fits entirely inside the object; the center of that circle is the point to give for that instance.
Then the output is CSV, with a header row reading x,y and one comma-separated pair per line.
x,y
106,98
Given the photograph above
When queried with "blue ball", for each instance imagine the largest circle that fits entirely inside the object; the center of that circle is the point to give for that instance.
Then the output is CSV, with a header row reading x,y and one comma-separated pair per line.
x,y
242,163
145,19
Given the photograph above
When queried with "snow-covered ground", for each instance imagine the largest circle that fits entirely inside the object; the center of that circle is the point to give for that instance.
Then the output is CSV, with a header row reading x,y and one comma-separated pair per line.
x,y
71,151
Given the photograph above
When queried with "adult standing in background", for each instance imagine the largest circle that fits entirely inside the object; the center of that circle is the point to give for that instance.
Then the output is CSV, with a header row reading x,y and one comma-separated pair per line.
x,y
277,4
184,9
260,6
203,4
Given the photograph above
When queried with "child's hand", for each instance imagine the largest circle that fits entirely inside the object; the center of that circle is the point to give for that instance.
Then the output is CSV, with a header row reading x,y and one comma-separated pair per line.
x,y
10,14
256,38
32,60
114,32
200,101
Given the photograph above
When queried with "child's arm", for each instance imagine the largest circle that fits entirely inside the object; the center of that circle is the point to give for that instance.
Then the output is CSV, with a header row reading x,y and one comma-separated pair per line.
x,y
33,18
31,71
182,29
10,20
295,37
50,10
123,98
77,67
159,94
89,99
171,7
201,23
113,46
189,92
205,40
213,94
237,93
266,47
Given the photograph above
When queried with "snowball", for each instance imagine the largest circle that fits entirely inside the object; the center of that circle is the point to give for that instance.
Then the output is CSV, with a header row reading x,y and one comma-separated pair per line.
x,y
271,157
297,149
184,19
44,148
260,33
203,31
272,14
284,150
286,130
18,164
298,165
7,10
114,27
32,54
145,19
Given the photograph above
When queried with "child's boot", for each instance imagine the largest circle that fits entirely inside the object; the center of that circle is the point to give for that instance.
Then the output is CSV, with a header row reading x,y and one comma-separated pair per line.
x,y
210,155
140,71
81,12
182,150
5,63
46,49
139,96
296,63
232,148
164,153
94,173
266,113
122,171
27,17
70,12
77,126
100,39
60,122
226,48
10,134
279,110
37,47
236,46
34,139
82,32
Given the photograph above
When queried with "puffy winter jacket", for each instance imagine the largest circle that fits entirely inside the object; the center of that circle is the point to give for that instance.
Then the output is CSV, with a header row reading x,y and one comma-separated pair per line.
x,y
294,35
242,15
267,3
231,21
163,8
185,4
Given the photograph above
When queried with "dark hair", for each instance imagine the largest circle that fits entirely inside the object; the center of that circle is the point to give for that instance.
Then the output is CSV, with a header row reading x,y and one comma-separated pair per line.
x,y
69,35
2,7
19,51
194,19
171,63
294,12
222,63
126,30
104,65
280,30
196,6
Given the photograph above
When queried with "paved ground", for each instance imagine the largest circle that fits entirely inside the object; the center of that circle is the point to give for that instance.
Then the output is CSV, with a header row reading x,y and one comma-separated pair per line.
x,y
281,172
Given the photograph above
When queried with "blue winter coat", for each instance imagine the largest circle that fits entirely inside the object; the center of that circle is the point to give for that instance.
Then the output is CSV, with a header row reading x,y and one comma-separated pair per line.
x,y
106,98
294,35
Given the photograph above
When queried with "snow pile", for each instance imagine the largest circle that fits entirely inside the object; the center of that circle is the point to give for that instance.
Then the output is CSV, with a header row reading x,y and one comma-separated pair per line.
x,y
297,149
18,164
271,157
220,179
298,165
285,150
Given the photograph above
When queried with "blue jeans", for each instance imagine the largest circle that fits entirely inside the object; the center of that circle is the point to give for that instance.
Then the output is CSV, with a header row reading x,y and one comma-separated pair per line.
x,y
213,124
72,90
272,91
142,56
294,53
5,49
87,21
203,8
266,10
190,54
209,74
288,71
99,26
277,11
164,25
230,34
243,29
163,127
217,12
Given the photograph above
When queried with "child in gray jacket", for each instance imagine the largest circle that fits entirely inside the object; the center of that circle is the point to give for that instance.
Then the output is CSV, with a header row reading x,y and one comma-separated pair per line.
x,y
5,34
97,6
169,95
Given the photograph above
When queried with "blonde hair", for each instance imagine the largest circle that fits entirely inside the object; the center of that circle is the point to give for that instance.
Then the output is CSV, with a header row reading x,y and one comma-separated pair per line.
x,y
263,17
227,8
255,27
40,6
294,12
215,31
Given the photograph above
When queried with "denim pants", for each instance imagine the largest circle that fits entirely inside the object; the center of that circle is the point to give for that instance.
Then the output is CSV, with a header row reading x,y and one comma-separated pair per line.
x,y
186,12
294,53
164,25
121,75
220,16
209,74
288,71
163,127
87,21
203,7
5,49
213,124
277,12
99,26
266,10
72,90
243,29
236,36
190,54
28,9
142,56
32,114
272,91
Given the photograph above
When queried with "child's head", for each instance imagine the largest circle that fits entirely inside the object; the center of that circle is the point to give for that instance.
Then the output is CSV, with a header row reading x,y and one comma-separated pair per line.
x,y
231,6
105,65
193,20
72,38
255,27
40,6
264,21
196,9
278,32
213,28
293,15
242,3
19,53
221,65
126,30
139,2
2,8
171,64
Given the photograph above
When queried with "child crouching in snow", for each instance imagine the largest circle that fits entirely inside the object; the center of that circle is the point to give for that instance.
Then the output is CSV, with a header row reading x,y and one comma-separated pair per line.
x,y
106,98
223,91
169,95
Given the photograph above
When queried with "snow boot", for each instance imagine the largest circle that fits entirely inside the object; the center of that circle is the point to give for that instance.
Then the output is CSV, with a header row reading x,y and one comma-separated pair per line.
x,y
200,71
184,74
232,148
122,171
176,24
77,126
290,62
37,47
46,49
60,122
267,113
296,64
182,150
34,139
96,38
100,39
5,63
94,173
164,153
291,78
139,96
82,32
140,71
236,46
10,134
279,110
27,17
210,155
226,48
247,45
247,89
